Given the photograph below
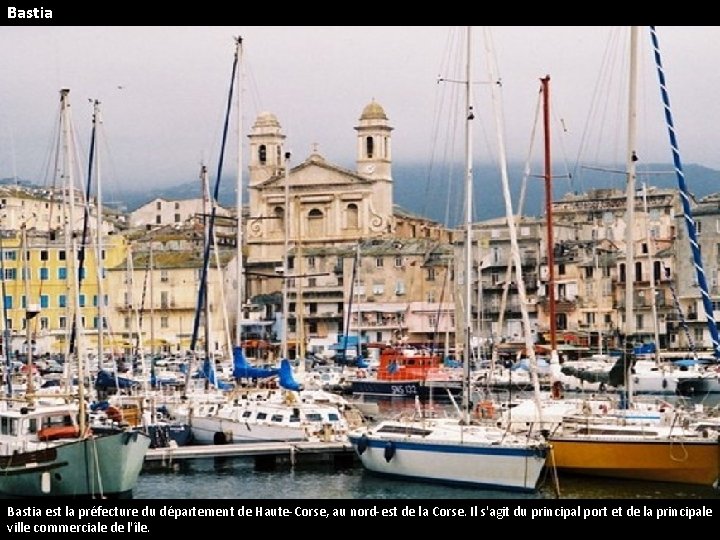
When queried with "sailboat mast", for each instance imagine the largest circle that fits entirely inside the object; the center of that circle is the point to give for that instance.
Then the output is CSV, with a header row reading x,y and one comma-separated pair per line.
x,y
286,260
239,277
469,116
630,193
99,243
549,216
685,196
630,213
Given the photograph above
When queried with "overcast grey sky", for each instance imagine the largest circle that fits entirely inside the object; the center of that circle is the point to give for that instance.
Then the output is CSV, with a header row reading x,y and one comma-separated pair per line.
x,y
163,91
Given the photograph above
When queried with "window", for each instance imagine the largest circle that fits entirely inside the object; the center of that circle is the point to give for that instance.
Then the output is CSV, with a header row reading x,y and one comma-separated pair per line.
x,y
43,254
164,322
398,261
164,299
431,274
352,216
315,222
44,273
177,218
378,287
44,301
10,255
81,300
379,261
311,262
164,276
177,205
158,220
400,287
313,327
278,221
561,269
262,154
10,273
61,255
62,322
312,282
639,322
62,272
431,296
158,205
62,301
8,302
369,147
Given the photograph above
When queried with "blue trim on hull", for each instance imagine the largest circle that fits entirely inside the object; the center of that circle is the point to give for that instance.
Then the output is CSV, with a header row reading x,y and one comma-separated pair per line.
x,y
451,448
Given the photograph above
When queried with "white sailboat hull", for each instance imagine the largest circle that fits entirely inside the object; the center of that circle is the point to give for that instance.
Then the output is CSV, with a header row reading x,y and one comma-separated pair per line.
x,y
466,457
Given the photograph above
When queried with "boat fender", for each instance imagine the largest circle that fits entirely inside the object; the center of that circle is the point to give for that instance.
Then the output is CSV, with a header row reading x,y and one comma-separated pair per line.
x,y
664,383
222,437
485,409
602,387
362,445
389,451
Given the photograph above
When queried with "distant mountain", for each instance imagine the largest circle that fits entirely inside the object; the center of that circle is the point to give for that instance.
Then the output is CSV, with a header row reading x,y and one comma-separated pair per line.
x,y
439,195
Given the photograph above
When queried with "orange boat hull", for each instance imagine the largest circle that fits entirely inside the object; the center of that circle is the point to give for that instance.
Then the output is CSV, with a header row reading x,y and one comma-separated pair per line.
x,y
694,462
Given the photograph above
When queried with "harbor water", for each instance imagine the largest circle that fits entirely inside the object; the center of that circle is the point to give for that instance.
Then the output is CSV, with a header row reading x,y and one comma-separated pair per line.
x,y
237,478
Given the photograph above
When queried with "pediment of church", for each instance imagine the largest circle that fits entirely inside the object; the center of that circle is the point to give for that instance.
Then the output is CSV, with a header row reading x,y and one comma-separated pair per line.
x,y
316,172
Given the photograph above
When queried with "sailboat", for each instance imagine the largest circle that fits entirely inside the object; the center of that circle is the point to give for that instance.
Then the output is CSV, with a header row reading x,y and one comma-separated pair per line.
x,y
454,450
663,444
46,446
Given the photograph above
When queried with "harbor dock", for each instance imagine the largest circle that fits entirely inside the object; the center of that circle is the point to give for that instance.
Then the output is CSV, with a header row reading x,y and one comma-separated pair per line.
x,y
266,454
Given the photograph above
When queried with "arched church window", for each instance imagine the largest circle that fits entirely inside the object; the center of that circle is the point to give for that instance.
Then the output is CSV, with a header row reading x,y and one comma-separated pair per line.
x,y
315,222
278,223
352,216
369,146
262,154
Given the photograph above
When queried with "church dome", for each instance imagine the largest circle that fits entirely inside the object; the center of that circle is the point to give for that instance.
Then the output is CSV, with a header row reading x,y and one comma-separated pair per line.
x,y
373,111
266,119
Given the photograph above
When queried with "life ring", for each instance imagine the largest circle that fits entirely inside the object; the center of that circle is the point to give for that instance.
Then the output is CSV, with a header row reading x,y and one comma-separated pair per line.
x,y
485,409
389,452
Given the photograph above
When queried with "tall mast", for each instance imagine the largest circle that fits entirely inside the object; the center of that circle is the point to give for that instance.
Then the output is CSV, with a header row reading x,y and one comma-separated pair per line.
x,y
99,244
549,216
469,116
286,259
630,212
239,277
630,193
685,196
